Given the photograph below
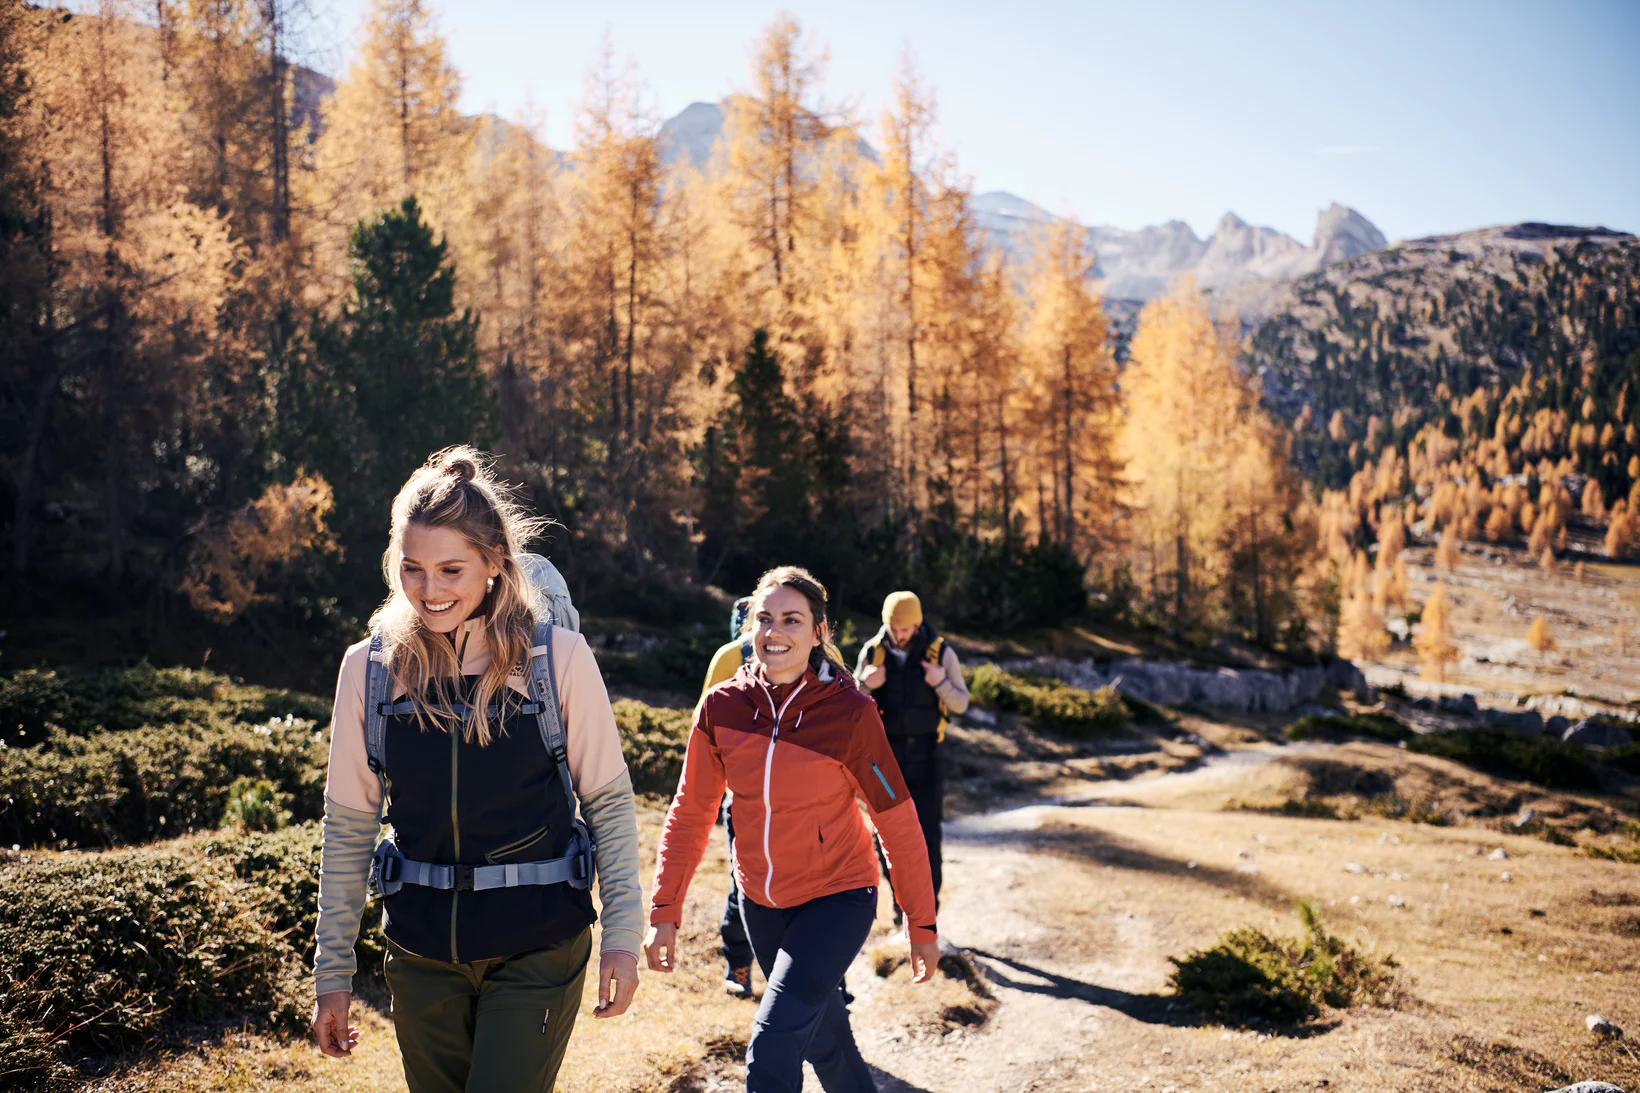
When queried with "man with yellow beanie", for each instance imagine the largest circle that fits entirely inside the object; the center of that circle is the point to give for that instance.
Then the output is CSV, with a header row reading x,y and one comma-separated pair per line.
x,y
913,674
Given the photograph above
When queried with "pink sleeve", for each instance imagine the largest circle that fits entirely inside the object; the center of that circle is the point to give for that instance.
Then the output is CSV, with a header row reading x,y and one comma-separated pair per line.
x,y
594,742
349,781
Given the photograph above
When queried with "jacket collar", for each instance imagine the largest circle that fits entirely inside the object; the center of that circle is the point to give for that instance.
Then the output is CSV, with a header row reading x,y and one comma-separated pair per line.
x,y
815,683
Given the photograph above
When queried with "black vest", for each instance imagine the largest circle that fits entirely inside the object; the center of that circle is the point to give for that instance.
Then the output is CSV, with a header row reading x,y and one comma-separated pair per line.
x,y
455,802
907,703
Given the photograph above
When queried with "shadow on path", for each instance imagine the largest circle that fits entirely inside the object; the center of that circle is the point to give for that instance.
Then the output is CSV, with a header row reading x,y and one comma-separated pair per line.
x,y
888,1083
1086,845
1153,1009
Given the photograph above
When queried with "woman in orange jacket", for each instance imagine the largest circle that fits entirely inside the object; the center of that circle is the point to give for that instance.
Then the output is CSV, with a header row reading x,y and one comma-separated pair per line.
x,y
797,743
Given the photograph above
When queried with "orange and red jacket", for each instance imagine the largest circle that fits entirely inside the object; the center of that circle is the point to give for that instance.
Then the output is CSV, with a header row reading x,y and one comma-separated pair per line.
x,y
796,756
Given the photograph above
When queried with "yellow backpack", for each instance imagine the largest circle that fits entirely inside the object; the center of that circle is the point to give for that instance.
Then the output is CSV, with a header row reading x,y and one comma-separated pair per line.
x,y
935,651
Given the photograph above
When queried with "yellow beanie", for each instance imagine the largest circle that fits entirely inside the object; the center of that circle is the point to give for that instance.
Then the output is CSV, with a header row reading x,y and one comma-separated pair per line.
x,y
902,609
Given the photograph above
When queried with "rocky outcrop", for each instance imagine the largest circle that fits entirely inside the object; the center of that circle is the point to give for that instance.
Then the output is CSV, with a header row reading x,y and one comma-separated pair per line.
x,y
1524,722
1597,732
1169,683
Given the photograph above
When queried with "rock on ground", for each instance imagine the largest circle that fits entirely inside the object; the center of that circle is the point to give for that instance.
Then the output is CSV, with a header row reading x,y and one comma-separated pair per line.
x,y
1170,683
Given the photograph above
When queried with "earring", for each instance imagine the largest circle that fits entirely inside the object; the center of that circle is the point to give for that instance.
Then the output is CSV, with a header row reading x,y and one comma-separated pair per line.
x,y
489,585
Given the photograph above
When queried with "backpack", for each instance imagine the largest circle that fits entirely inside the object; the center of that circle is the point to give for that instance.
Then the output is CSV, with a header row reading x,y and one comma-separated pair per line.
x,y
737,626
932,655
550,586
390,870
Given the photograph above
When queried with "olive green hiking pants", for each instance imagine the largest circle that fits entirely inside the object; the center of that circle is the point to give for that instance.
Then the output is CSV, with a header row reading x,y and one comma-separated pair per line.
x,y
491,1026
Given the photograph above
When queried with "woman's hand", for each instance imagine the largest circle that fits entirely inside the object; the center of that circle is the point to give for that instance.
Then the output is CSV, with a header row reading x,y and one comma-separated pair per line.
x,y
331,1031
617,983
660,948
925,957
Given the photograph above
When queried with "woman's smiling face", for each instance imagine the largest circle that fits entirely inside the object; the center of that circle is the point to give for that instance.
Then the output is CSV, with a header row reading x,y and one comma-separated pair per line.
x,y
444,576
785,633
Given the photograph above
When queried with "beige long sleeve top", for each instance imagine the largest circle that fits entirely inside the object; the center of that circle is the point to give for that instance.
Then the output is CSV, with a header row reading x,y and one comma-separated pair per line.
x,y
353,803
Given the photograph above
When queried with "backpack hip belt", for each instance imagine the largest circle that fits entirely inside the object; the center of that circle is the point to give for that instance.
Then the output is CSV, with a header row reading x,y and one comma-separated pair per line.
x,y
390,871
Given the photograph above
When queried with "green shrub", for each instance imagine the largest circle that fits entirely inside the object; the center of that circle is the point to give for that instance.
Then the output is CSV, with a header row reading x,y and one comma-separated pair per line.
x,y
113,788
1248,975
653,740
101,952
1376,726
1416,809
1625,757
674,664
1538,759
1629,854
256,806
1309,808
1047,702
285,866
84,701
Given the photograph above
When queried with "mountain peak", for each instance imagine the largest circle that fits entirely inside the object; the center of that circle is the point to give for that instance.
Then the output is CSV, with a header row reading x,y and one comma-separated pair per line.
x,y
692,132
1342,233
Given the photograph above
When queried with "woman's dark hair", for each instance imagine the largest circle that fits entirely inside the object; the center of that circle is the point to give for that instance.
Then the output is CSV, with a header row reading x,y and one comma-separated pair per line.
x,y
800,580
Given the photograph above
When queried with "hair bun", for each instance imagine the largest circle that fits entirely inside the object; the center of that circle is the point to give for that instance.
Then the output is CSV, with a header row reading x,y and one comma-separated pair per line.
x,y
461,466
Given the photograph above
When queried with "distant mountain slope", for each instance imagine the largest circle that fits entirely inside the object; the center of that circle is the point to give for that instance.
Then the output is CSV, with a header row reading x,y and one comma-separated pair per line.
x,y
1405,334
1135,265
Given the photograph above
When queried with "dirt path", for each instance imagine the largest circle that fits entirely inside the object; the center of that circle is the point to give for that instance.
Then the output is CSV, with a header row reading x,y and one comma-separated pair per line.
x,y
1071,909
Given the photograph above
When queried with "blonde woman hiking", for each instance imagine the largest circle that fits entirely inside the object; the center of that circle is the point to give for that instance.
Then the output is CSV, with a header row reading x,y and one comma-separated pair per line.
x,y
476,729
797,743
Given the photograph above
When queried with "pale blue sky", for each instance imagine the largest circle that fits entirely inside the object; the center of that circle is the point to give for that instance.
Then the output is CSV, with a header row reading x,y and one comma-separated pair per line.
x,y
1426,116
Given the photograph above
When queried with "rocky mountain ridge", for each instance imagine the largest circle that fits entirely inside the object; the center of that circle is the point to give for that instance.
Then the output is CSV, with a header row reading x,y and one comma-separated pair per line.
x,y
1134,264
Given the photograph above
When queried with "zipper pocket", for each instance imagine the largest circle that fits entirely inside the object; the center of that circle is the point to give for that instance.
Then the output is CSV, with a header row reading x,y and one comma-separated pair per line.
x,y
878,771
517,846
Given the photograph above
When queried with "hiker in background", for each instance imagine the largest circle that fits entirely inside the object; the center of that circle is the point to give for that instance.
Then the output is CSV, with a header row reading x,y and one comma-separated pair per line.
x,y
737,951
914,675
798,744
475,727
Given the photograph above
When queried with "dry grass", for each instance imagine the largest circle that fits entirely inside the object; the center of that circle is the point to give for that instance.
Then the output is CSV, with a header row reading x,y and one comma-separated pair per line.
x,y
682,1030
1496,596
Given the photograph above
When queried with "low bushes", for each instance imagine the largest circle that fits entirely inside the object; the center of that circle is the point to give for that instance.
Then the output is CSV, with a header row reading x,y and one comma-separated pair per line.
x,y
652,740
1249,976
114,788
83,701
101,952
670,664
1376,726
1541,760
1048,702
1625,757
285,866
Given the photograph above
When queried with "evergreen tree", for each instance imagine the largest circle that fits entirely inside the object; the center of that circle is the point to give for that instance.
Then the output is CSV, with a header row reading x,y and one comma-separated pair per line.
x,y
402,368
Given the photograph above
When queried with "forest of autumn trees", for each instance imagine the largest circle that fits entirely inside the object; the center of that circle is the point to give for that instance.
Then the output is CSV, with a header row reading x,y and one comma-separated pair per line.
x,y
236,316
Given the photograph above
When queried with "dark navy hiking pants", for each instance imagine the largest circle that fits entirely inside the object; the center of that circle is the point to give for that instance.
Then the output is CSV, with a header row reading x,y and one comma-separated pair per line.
x,y
804,951
919,759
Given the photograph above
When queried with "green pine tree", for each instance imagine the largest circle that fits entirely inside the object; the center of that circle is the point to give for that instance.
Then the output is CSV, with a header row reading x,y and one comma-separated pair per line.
x,y
400,379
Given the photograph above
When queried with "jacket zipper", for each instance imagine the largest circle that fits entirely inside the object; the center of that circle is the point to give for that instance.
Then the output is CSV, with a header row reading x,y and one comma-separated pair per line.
x,y
768,802
455,793
455,828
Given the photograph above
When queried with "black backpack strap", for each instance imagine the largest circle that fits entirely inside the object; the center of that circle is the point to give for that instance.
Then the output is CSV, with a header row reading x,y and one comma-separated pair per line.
x,y
550,718
377,684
